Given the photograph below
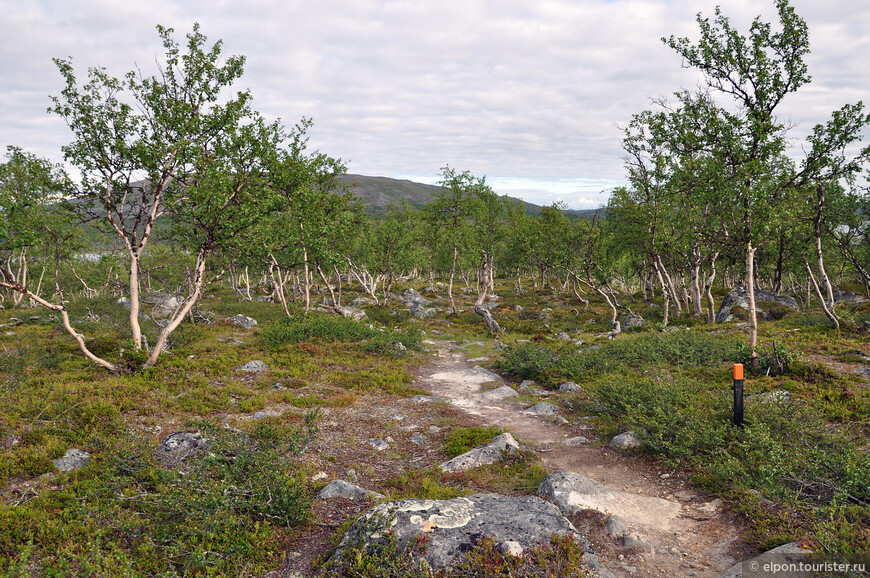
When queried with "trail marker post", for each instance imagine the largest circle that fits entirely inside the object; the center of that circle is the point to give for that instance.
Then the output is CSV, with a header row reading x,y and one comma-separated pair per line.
x,y
738,395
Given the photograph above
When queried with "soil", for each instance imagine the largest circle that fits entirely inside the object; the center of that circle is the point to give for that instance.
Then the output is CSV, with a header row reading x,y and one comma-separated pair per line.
x,y
702,541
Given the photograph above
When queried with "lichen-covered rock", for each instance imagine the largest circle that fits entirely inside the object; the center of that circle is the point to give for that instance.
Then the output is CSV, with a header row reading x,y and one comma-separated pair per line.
x,y
352,312
347,491
73,459
451,526
255,366
482,455
178,446
569,387
420,311
242,321
737,298
632,320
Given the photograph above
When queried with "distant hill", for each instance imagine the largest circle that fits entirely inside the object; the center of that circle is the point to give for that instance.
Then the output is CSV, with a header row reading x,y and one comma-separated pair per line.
x,y
378,192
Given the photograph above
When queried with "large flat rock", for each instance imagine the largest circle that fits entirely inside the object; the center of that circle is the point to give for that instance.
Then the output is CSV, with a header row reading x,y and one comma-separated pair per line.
x,y
573,492
482,455
451,526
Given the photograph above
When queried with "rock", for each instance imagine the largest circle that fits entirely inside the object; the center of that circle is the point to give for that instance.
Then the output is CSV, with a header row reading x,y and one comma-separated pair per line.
x,y
418,439
163,304
451,526
478,359
427,399
378,444
776,396
841,296
569,387
511,548
412,297
790,553
485,374
526,385
482,455
615,526
574,492
255,366
637,546
242,321
433,429
124,302
348,491
364,302
319,476
563,336
625,441
543,408
420,312
178,446
73,459
352,312
502,392
574,441
630,320
737,298
518,308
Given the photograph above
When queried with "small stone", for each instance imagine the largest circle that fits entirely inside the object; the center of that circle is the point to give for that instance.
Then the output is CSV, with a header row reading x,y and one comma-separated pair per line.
x,y
511,547
390,440
569,387
478,359
346,490
637,545
563,336
242,321
434,429
615,526
625,441
397,417
502,392
629,569
351,474
418,439
574,441
543,408
255,366
318,476
665,476
379,445
73,459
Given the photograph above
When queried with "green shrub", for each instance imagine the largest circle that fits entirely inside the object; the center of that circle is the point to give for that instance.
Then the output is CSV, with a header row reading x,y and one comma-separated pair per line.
x,y
321,327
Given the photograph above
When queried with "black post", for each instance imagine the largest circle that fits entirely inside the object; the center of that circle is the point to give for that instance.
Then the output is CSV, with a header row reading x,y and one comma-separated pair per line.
x,y
738,395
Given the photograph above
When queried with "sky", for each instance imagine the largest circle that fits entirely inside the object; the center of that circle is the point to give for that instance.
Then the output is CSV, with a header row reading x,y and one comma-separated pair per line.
x,y
531,94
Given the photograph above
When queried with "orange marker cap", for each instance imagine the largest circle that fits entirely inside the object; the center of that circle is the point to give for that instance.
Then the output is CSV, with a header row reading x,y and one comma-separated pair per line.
x,y
738,371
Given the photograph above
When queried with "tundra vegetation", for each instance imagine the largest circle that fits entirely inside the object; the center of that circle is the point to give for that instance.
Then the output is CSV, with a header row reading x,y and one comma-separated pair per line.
x,y
192,209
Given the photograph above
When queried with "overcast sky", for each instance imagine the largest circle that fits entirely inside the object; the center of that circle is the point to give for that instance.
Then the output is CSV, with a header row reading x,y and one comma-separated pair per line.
x,y
529,93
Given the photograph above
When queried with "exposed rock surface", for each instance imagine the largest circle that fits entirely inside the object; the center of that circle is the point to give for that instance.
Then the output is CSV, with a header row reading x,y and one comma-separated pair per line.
x,y
412,297
573,492
787,553
421,311
178,446
73,459
737,298
485,374
841,296
451,526
482,455
348,491
242,321
569,387
378,444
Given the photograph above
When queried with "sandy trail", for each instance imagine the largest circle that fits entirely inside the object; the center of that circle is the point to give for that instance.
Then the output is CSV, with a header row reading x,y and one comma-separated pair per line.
x,y
701,540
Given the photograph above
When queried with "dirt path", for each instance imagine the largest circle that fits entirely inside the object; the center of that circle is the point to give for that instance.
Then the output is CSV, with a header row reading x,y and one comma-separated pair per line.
x,y
701,540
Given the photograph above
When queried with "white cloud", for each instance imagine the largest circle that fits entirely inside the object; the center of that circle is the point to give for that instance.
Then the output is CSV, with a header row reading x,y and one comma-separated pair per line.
x,y
531,91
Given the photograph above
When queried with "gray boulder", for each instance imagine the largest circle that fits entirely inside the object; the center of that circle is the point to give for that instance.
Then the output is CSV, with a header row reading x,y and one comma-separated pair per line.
x,y
502,392
630,320
178,446
378,444
737,298
574,493
242,321
255,366
347,491
420,311
352,312
625,441
451,526
569,387
482,455
543,408
791,553
485,374
412,297
73,459
841,296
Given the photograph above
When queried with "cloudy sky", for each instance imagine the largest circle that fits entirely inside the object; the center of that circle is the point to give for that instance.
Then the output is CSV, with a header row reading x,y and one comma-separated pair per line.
x,y
529,93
